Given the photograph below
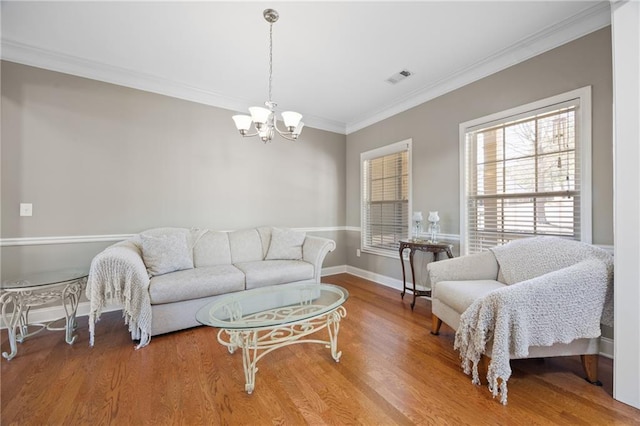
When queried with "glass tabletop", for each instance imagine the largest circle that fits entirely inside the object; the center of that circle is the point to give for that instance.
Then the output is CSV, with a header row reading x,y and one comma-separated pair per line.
x,y
44,278
272,306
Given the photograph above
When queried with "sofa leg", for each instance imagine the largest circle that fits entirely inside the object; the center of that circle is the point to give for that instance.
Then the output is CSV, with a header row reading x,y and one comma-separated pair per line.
x,y
435,325
590,366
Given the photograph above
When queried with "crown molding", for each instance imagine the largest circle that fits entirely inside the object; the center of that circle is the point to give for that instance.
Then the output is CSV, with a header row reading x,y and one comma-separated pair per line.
x,y
556,35
14,51
590,20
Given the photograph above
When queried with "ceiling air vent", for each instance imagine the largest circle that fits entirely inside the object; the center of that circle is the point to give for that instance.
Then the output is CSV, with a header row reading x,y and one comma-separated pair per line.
x,y
398,77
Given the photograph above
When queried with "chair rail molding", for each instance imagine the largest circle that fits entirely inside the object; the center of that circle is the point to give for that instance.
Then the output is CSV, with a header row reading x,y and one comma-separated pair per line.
x,y
83,239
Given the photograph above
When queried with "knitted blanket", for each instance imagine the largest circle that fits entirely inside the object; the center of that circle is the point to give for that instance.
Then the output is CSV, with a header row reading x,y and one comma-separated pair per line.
x,y
557,292
118,274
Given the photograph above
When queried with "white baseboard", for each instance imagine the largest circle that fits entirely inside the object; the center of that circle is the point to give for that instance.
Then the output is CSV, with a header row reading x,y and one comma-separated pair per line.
x,y
606,347
54,312
333,270
372,276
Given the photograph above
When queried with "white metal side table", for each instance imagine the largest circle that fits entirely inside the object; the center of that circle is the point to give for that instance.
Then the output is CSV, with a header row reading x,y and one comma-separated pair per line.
x,y
17,297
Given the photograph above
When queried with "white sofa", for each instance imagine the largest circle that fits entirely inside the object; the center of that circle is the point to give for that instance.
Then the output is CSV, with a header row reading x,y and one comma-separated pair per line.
x,y
163,276
556,293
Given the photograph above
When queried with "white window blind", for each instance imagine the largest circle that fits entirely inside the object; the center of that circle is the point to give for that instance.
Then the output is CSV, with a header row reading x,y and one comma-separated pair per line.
x,y
385,197
524,177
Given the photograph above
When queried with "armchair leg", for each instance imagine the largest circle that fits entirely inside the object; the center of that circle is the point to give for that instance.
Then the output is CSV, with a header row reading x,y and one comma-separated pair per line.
x,y
590,366
435,325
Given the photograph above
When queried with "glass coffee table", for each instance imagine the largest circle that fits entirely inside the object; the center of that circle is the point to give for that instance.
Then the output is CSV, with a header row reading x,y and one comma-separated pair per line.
x,y
18,296
265,319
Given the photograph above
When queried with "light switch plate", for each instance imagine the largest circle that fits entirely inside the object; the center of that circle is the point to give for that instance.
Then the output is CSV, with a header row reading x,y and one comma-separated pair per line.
x,y
26,209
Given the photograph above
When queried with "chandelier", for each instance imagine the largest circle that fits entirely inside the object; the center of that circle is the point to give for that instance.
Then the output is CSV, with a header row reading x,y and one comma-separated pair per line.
x,y
264,119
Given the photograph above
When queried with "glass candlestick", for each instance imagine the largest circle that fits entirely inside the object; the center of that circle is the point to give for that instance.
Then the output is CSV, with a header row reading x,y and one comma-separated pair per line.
x,y
434,226
417,224
434,230
417,229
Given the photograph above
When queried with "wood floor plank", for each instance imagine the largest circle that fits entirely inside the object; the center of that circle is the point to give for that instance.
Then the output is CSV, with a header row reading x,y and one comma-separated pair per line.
x,y
392,371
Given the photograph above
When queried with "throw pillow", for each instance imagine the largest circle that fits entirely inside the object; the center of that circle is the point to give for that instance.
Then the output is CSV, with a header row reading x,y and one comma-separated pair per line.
x,y
166,253
286,244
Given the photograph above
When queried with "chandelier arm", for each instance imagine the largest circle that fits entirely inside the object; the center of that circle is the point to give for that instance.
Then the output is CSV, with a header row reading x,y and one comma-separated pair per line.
x,y
249,135
280,132
286,136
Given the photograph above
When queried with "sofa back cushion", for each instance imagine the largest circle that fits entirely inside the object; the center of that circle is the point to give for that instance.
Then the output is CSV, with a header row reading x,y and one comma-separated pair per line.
x,y
245,245
265,236
286,244
212,249
166,252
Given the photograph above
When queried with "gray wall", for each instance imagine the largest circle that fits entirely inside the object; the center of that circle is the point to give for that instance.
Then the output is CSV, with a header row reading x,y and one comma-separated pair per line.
x,y
98,159
433,126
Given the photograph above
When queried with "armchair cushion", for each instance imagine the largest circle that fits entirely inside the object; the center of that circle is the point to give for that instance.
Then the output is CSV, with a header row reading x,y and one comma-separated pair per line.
x,y
459,295
479,266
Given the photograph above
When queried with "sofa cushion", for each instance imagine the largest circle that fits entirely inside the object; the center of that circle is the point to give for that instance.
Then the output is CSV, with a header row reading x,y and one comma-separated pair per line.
x,y
195,283
265,237
245,245
286,244
212,249
459,295
271,272
166,253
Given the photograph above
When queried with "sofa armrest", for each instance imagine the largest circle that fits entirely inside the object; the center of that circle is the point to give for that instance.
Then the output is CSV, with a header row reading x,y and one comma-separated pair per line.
x,y
314,250
479,266
119,274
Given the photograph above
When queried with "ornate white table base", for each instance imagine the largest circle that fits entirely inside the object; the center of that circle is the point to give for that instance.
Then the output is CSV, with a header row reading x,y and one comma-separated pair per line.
x,y
269,339
17,302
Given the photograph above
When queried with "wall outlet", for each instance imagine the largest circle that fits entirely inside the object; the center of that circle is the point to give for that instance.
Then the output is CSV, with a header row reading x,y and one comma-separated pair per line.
x,y
358,252
26,209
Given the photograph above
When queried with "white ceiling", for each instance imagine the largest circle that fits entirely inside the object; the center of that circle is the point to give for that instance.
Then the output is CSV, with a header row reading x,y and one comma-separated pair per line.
x,y
331,59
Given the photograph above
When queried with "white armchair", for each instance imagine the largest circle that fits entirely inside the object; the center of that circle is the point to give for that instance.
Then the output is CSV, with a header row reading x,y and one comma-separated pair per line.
x,y
531,298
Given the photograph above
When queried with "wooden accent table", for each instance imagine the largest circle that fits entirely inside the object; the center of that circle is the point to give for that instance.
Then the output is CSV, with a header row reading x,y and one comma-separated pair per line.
x,y
420,245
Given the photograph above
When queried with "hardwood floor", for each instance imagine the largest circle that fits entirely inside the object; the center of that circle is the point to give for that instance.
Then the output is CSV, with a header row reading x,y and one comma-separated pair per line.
x,y
392,371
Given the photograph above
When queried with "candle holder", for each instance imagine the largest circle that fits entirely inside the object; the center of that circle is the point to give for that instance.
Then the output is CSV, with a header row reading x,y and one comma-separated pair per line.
x,y
417,225
434,226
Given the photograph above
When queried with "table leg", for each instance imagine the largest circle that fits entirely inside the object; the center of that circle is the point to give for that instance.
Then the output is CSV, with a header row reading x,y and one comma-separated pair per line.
x,y
249,359
413,276
13,300
333,327
404,279
70,299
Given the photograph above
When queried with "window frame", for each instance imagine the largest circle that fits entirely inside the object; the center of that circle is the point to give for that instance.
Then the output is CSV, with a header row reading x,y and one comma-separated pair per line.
x,y
583,147
393,148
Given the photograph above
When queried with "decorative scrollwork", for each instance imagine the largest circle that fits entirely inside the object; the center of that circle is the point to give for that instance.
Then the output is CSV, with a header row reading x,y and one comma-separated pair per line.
x,y
267,339
17,302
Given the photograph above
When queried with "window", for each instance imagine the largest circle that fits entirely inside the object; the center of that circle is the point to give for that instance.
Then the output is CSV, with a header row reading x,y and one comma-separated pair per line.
x,y
385,197
526,172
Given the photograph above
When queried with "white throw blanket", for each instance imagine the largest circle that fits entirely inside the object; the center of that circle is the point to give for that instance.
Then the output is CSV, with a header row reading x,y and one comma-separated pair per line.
x,y
559,291
118,274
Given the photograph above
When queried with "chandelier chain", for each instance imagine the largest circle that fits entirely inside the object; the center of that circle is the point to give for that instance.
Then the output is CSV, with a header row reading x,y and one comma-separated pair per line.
x,y
270,58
